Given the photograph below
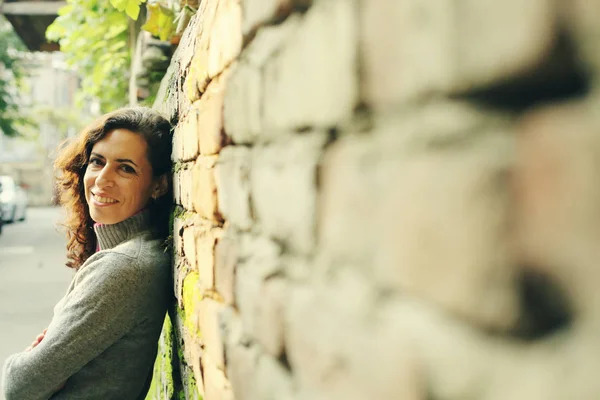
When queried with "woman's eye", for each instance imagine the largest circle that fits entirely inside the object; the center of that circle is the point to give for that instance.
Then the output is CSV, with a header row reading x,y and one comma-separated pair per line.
x,y
127,169
95,161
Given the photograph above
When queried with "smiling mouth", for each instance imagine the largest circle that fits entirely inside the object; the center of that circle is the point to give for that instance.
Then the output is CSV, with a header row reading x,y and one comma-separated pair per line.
x,y
103,200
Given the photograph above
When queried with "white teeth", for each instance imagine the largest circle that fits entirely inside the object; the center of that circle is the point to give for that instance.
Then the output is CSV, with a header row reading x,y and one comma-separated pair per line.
x,y
104,199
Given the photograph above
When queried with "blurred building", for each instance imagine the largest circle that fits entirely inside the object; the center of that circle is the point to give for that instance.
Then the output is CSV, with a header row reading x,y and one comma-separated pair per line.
x,y
49,93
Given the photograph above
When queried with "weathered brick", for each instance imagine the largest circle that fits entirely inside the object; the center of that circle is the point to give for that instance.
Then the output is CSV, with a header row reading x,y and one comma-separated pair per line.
x,y
204,189
216,384
232,175
208,312
241,356
413,48
241,370
260,260
178,224
508,368
191,379
557,198
177,187
199,242
209,113
177,152
273,380
197,77
449,201
206,237
226,258
218,43
270,313
193,356
258,12
312,81
283,189
244,97
186,135
186,188
189,246
348,352
225,37
241,110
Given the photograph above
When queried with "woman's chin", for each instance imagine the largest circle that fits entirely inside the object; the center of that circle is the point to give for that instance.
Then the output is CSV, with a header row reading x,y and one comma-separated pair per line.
x,y
104,218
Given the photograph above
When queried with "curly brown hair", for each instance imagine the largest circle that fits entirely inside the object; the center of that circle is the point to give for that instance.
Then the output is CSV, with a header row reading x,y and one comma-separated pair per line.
x,y
72,162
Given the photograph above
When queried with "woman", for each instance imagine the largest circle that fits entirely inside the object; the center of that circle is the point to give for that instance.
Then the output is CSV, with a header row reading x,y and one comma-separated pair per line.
x,y
102,341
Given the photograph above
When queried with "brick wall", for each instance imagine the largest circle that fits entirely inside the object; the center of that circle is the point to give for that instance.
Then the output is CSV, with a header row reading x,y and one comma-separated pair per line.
x,y
385,200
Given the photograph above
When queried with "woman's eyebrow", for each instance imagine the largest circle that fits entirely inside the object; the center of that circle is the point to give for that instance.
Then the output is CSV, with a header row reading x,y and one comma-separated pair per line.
x,y
126,160
118,159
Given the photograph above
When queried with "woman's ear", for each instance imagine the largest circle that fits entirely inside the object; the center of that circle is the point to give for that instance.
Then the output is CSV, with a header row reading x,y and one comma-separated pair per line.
x,y
162,186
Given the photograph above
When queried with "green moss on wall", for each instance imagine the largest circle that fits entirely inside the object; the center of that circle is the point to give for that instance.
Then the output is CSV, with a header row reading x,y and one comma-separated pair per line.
x,y
191,299
162,386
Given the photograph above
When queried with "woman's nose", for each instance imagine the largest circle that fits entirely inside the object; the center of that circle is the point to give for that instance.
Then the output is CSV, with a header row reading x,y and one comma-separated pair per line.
x,y
105,178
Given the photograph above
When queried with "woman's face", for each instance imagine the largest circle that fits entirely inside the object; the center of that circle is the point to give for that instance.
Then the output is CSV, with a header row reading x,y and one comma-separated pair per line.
x,y
118,180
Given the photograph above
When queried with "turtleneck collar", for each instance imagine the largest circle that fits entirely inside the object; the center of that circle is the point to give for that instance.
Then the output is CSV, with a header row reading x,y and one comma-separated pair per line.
x,y
110,236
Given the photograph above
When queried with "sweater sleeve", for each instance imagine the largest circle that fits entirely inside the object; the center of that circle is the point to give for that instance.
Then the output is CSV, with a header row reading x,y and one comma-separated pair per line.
x,y
99,310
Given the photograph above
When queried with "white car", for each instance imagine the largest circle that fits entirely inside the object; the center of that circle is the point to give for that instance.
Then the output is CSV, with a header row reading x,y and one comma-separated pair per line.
x,y
13,200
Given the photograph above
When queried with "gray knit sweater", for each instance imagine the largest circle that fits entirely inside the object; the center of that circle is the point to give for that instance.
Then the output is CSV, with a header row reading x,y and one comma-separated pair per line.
x,y
103,337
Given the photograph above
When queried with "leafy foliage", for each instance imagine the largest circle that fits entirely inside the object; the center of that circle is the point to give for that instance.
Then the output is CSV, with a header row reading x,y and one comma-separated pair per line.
x,y
131,7
93,34
160,21
12,119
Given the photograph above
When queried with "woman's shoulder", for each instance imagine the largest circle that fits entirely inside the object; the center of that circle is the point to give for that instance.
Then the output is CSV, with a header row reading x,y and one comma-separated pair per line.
x,y
137,254
143,246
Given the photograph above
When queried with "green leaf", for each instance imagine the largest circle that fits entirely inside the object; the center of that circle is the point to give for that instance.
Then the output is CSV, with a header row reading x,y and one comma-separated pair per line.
x,y
160,21
133,10
131,7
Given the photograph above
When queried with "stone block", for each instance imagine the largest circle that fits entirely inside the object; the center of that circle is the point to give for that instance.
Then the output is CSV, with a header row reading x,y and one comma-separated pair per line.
x,y
258,12
192,382
216,384
177,151
442,231
242,104
208,314
244,95
209,114
413,48
226,259
232,176
345,354
204,189
186,135
241,356
189,246
206,237
241,370
283,189
180,270
247,294
557,198
312,80
273,380
260,260
197,77
225,40
177,187
185,184
269,326
178,224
